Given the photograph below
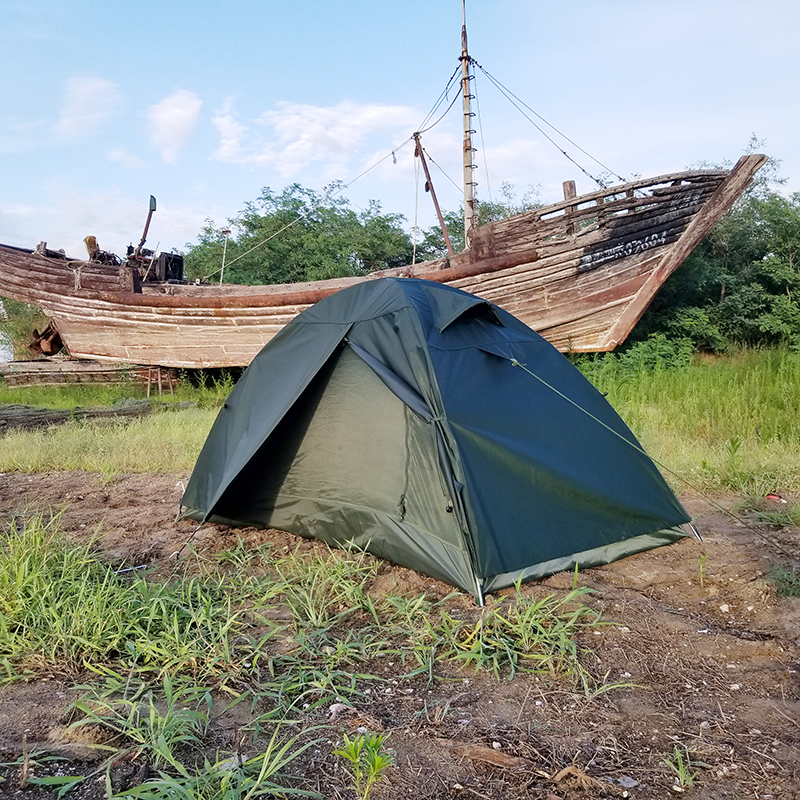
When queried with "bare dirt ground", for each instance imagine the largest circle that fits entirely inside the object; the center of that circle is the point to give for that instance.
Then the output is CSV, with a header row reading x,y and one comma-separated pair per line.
x,y
709,651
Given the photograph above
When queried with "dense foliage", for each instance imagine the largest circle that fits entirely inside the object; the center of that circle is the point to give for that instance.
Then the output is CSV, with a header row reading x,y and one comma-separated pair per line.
x,y
300,235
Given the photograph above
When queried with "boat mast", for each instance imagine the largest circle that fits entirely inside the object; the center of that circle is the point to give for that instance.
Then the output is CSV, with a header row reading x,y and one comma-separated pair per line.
x,y
469,150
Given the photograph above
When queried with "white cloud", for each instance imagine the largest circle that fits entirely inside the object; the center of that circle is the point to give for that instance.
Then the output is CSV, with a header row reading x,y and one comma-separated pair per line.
x,y
302,134
120,155
316,133
172,122
89,103
230,132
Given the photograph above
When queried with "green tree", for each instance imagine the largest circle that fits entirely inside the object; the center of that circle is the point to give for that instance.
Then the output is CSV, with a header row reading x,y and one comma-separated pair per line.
x,y
300,235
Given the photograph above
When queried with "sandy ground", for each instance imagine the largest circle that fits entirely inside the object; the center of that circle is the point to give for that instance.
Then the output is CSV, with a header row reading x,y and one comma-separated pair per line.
x,y
710,658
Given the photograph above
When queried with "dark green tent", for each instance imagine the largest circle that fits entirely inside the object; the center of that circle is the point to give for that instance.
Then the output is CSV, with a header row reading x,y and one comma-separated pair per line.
x,y
437,431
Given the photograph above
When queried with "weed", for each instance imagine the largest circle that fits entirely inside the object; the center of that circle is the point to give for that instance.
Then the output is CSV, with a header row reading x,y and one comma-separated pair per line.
x,y
155,723
788,517
366,759
186,627
786,582
230,778
321,589
682,767
435,715
517,633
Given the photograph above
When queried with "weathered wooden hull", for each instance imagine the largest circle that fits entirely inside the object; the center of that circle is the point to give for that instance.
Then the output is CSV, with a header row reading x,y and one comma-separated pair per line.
x,y
580,272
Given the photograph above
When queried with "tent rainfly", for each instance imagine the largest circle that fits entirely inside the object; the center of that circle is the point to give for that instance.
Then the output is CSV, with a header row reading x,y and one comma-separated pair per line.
x,y
435,430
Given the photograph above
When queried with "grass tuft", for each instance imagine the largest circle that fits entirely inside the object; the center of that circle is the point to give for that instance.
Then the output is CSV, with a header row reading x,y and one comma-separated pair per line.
x,y
786,582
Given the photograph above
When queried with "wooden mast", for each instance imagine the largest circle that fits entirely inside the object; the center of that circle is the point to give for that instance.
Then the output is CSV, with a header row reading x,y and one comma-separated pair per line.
x,y
429,188
469,166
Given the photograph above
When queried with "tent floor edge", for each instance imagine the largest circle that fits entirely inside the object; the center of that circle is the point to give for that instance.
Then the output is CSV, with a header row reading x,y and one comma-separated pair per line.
x,y
594,557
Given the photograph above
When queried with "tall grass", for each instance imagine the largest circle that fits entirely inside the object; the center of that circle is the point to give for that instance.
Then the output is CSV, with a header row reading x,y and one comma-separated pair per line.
x,y
724,423
159,442
73,396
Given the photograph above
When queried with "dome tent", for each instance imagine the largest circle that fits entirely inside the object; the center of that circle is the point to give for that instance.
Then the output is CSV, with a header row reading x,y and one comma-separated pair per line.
x,y
394,416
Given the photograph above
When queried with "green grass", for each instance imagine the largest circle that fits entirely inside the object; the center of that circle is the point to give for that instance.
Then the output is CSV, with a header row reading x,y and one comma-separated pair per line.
x,y
786,582
73,396
515,634
206,390
154,655
62,606
166,442
726,423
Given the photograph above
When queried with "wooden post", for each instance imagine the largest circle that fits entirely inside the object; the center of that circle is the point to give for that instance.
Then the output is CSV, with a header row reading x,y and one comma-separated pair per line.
x,y
570,193
429,187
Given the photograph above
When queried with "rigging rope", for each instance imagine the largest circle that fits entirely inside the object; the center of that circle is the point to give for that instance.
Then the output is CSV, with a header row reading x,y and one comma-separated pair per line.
x,y
658,463
444,114
441,169
442,97
508,94
483,143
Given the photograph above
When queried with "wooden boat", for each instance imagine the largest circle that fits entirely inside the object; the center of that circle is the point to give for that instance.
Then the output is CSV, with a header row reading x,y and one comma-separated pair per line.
x,y
580,272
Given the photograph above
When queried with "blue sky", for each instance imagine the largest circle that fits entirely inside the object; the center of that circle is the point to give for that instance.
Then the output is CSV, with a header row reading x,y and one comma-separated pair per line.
x,y
203,103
